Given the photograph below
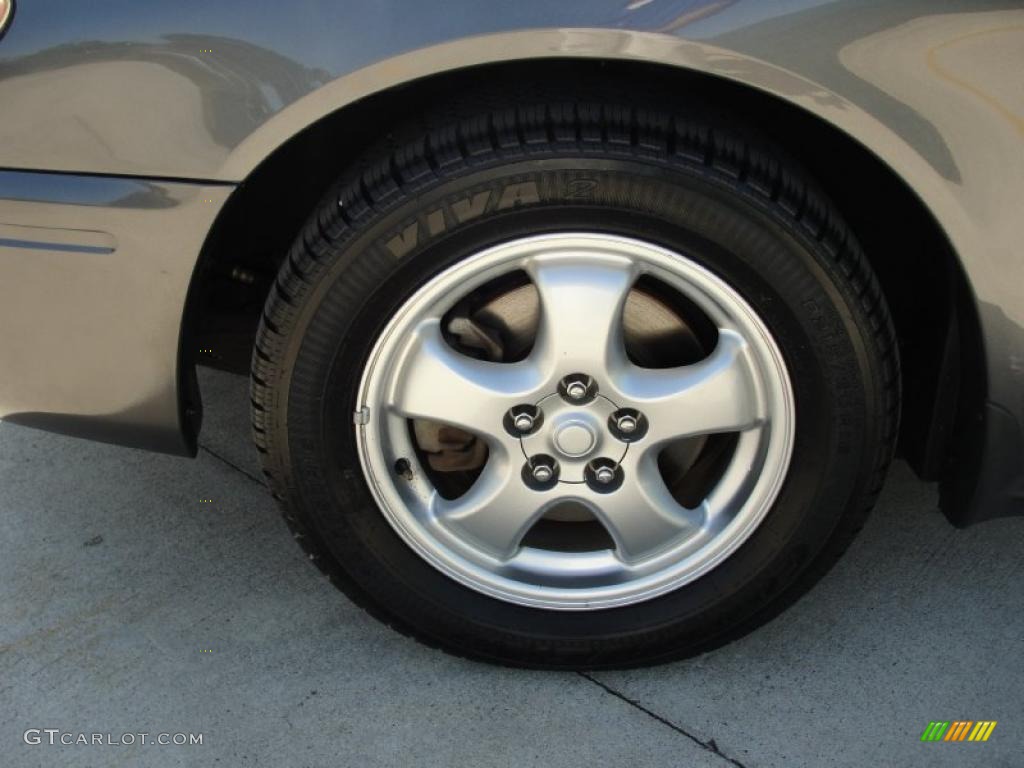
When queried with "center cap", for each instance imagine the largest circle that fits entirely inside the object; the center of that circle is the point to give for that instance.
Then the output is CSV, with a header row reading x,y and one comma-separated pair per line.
x,y
575,438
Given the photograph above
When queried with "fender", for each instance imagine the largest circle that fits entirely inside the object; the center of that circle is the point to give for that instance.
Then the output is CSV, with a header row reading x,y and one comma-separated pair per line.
x,y
966,185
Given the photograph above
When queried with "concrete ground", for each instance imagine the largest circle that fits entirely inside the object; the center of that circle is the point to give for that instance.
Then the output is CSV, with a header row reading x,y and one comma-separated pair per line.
x,y
129,604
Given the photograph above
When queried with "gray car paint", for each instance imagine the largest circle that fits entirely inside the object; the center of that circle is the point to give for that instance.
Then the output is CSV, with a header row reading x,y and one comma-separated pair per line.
x,y
205,91
93,279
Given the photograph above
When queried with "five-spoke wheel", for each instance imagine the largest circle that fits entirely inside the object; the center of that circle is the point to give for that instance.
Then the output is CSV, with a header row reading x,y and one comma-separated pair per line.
x,y
575,421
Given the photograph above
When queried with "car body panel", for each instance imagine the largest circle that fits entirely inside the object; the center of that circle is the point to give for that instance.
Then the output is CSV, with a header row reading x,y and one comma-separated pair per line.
x,y
93,279
205,92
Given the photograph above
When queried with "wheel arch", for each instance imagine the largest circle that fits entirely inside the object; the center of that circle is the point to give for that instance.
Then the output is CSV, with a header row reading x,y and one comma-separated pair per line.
x,y
287,166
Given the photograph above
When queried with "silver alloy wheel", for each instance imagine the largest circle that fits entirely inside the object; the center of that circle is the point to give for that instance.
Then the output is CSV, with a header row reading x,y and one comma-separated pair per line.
x,y
582,280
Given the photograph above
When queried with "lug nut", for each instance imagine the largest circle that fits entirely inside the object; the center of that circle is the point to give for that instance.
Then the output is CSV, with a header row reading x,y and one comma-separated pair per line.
x,y
576,390
542,473
524,422
626,424
523,419
603,475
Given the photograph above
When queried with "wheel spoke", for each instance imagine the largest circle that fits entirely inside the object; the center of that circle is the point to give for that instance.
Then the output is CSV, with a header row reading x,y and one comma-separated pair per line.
x,y
717,394
642,516
581,311
436,382
497,511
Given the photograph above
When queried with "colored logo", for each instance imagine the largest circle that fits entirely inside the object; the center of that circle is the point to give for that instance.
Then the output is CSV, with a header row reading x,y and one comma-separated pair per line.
x,y
958,730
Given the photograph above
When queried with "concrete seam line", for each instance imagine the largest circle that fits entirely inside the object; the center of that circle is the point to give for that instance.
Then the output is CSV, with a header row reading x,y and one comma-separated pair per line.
x,y
231,464
709,745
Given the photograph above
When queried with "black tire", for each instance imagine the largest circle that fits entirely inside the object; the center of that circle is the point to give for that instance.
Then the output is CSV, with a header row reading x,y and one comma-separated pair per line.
x,y
693,184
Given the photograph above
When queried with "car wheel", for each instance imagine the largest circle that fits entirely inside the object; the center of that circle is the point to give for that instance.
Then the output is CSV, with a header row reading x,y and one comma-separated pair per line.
x,y
575,385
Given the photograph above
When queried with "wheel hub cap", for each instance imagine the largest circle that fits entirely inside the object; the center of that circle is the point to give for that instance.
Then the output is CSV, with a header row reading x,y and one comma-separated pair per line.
x,y
575,438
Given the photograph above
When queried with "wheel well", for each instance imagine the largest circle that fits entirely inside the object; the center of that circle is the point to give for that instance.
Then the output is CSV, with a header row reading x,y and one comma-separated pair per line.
x,y
929,297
